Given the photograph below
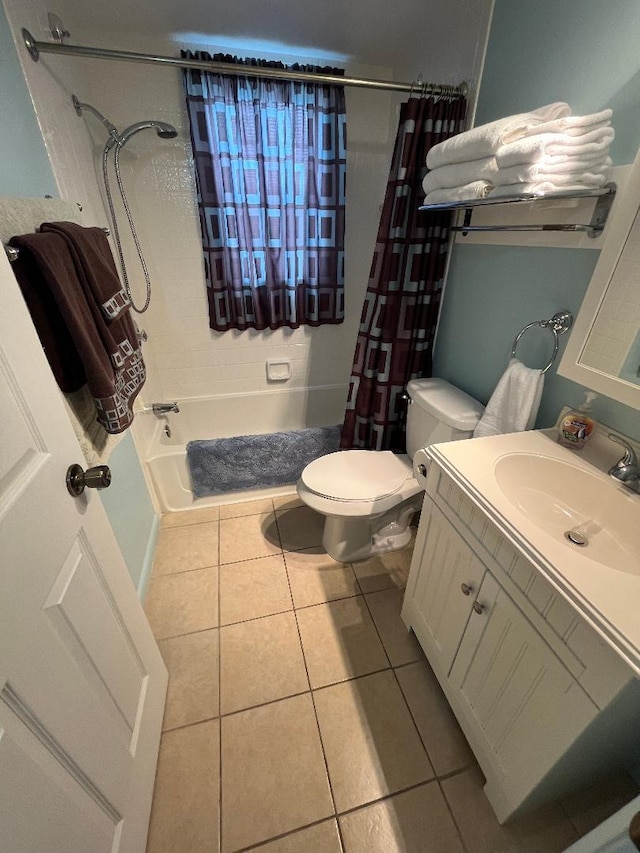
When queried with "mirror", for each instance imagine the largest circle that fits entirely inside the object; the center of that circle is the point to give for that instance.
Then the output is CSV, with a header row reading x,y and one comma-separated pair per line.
x,y
603,352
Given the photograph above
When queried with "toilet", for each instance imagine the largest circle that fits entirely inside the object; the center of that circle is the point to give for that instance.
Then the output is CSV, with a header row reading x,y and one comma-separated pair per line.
x,y
369,497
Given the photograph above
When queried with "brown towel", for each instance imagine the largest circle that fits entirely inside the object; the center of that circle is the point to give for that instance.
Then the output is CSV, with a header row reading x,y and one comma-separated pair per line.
x,y
76,267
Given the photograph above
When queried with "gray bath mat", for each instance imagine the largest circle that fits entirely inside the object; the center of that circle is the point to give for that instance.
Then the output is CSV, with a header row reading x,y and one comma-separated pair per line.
x,y
252,461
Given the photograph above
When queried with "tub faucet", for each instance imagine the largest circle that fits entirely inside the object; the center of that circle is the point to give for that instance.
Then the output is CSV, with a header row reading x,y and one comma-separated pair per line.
x,y
164,408
626,469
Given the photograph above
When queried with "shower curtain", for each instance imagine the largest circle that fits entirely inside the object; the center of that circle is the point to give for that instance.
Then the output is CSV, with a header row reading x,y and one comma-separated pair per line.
x,y
400,312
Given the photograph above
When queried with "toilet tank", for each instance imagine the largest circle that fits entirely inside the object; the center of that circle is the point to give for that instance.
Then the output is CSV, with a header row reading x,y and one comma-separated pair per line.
x,y
439,412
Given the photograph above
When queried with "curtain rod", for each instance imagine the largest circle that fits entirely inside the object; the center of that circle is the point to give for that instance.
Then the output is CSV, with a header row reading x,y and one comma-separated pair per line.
x,y
35,48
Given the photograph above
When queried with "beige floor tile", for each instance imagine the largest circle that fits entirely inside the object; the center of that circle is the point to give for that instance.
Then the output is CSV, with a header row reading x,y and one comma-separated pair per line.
x,y
192,661
321,838
179,549
299,528
547,830
287,501
446,746
386,571
248,537
590,806
417,821
316,577
183,603
246,508
189,516
400,644
252,589
184,815
339,641
370,742
260,661
274,777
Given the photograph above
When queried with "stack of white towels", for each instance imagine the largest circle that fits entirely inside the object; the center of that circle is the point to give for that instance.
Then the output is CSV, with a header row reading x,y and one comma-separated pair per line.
x,y
546,150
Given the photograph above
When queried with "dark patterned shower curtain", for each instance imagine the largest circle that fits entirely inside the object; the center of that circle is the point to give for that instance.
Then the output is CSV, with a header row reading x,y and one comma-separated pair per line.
x,y
400,312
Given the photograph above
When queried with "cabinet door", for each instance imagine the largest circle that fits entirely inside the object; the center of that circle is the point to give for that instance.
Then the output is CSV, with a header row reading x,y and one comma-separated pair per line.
x,y
440,595
519,695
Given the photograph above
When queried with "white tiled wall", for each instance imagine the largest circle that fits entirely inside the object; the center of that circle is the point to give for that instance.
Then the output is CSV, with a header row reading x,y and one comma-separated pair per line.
x,y
185,358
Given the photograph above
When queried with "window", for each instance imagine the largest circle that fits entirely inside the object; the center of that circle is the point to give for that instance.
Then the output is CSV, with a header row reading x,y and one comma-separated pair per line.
x,y
270,162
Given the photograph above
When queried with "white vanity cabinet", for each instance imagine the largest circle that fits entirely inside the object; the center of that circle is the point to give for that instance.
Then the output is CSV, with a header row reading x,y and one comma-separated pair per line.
x,y
544,703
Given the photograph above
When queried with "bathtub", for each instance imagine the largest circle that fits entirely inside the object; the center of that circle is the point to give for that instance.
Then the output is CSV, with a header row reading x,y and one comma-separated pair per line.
x,y
222,417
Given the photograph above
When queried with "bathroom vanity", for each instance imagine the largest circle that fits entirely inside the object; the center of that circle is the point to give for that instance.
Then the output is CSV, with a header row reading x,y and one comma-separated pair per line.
x,y
535,640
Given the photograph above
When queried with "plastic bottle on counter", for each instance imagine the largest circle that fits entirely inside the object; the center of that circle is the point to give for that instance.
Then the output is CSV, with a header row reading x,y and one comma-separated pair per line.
x,y
577,427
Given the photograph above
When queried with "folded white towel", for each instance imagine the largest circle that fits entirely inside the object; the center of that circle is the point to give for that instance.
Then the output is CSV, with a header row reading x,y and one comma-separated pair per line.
x,y
466,192
484,140
540,188
514,404
533,148
531,173
458,174
574,125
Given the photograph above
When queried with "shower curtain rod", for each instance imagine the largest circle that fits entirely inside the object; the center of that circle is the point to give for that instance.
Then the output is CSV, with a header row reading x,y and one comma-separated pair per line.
x,y
35,48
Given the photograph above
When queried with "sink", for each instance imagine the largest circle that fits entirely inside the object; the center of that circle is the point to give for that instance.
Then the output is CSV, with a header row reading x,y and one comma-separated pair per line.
x,y
587,511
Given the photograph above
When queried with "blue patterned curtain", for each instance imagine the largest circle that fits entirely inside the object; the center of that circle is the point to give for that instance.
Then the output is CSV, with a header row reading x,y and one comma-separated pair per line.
x,y
270,162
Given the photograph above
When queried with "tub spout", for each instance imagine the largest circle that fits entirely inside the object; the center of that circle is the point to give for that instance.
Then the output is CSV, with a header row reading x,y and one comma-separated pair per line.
x,y
164,408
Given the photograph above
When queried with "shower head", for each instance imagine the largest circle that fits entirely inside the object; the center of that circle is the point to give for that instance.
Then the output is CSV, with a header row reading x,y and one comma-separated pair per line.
x,y
164,131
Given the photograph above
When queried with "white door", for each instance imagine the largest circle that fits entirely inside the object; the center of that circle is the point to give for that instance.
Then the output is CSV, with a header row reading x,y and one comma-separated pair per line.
x,y
82,683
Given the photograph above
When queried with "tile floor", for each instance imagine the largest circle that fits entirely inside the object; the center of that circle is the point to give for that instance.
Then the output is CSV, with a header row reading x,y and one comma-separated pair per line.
x,y
301,716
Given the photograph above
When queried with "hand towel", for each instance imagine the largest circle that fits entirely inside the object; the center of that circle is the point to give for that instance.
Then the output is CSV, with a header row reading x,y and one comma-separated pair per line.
x,y
460,173
532,148
514,404
476,189
75,267
574,125
568,171
484,140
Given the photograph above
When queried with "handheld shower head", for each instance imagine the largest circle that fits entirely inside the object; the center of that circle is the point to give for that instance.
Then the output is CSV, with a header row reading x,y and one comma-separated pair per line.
x,y
164,130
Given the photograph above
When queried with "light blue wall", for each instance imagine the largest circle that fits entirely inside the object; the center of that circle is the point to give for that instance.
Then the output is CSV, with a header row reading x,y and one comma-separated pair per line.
x,y
131,512
25,171
584,52
24,166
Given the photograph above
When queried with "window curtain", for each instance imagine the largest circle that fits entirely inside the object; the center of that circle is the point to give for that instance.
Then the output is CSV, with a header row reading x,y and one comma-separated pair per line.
x,y
400,312
270,163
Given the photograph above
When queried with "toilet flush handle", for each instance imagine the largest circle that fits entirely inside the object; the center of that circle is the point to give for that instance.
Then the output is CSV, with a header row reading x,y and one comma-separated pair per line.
x,y
422,469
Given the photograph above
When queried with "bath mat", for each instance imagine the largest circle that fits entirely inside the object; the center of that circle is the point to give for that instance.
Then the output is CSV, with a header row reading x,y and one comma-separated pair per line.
x,y
253,461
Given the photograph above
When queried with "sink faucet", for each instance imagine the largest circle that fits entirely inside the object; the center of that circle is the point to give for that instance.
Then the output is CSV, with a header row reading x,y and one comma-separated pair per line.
x,y
626,469
164,408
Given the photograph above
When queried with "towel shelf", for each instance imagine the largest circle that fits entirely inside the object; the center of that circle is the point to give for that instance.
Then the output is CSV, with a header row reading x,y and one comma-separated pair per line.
x,y
605,196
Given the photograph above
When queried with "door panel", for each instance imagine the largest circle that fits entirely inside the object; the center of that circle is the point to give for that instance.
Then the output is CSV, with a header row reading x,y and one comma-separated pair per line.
x,y
82,683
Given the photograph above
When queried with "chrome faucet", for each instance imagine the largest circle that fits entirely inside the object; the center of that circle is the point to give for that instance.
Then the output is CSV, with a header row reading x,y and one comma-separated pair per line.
x,y
626,469
164,408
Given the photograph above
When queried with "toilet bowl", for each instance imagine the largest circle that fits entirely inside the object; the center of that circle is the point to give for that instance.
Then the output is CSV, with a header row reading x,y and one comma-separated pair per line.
x,y
369,497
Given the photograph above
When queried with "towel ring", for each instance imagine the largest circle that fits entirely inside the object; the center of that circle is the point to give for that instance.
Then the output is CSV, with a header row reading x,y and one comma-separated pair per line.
x,y
557,325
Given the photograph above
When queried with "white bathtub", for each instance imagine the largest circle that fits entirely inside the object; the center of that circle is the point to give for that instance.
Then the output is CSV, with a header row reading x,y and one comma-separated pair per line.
x,y
221,417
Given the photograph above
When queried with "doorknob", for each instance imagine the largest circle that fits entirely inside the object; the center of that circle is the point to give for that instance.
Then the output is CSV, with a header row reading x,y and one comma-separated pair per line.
x,y
98,477
634,830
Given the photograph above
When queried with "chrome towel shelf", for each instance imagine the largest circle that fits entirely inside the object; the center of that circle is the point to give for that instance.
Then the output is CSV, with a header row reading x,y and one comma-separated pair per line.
x,y
557,325
605,196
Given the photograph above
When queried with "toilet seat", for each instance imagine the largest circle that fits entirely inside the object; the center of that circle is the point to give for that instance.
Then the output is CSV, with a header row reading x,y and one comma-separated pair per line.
x,y
357,482
357,475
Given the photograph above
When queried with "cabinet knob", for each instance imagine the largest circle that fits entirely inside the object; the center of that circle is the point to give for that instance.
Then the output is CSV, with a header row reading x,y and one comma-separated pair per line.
x,y
466,589
478,608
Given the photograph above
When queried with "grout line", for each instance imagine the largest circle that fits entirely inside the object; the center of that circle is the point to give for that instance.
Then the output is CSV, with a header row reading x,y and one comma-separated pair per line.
x,y
453,818
315,712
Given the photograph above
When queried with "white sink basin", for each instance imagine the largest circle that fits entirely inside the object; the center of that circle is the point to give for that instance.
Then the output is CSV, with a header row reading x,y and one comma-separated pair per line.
x,y
569,502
